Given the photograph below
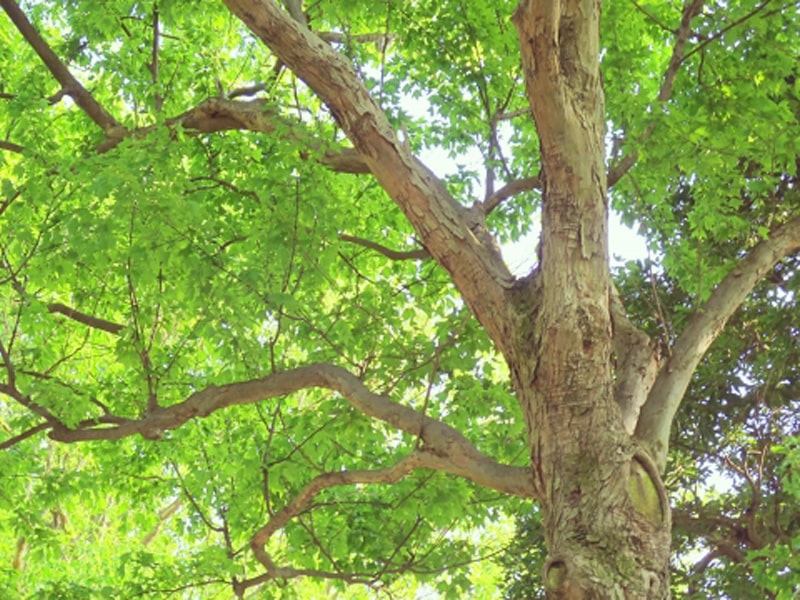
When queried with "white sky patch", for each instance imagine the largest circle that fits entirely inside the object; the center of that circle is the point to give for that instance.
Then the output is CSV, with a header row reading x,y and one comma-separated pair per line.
x,y
520,256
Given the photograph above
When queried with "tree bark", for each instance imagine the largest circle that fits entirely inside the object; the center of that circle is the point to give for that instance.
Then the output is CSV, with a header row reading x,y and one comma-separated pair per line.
x,y
455,236
606,515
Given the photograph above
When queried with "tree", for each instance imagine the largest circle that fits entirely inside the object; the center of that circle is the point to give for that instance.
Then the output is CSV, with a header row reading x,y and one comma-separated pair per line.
x,y
236,305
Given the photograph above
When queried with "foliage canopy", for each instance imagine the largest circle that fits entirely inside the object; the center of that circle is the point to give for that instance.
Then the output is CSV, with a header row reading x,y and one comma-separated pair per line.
x,y
180,213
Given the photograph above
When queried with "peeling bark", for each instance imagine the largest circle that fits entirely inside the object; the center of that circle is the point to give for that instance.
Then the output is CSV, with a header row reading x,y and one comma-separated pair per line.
x,y
606,515
598,410
636,365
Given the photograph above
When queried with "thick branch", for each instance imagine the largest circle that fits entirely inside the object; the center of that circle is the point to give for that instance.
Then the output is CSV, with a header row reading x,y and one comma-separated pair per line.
x,y
71,86
456,237
221,114
670,385
295,8
457,455
636,364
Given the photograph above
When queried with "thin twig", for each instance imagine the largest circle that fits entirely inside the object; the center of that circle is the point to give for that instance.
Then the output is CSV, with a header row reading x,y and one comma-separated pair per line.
x,y
650,16
24,435
690,10
730,26
89,320
420,254
158,100
662,321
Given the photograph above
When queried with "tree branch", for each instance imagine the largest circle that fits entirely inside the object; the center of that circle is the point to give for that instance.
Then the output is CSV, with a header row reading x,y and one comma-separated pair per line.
x,y
381,40
735,23
221,114
509,190
12,392
94,322
673,379
295,8
12,147
163,515
636,364
390,475
70,85
420,254
455,453
650,16
456,237
416,460
12,441
691,9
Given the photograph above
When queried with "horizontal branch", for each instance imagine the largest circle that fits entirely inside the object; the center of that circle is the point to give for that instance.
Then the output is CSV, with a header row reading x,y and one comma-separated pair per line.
x,y
12,147
382,40
455,453
419,254
673,379
76,315
511,189
212,115
222,114
70,85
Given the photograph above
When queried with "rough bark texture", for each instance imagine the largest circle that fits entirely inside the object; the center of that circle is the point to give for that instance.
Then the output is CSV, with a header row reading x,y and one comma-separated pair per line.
x,y
605,512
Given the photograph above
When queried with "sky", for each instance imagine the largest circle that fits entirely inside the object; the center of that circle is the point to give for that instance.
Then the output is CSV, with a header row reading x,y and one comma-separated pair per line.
x,y
624,243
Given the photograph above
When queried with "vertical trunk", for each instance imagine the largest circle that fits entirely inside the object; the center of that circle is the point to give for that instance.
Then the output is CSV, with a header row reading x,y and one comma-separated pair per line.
x,y
605,512
606,518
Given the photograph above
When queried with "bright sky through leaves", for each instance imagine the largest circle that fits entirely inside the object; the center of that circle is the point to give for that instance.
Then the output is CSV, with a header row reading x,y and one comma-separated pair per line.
x,y
248,344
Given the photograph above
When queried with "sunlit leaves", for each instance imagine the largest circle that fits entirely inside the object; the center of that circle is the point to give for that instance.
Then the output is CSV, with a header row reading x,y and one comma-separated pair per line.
x,y
219,257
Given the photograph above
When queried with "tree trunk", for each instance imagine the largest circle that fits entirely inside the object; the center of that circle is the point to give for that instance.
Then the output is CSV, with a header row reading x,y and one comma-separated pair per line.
x,y
606,515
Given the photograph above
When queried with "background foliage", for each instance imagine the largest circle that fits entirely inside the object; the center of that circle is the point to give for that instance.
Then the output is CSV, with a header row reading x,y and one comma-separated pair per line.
x,y
225,256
